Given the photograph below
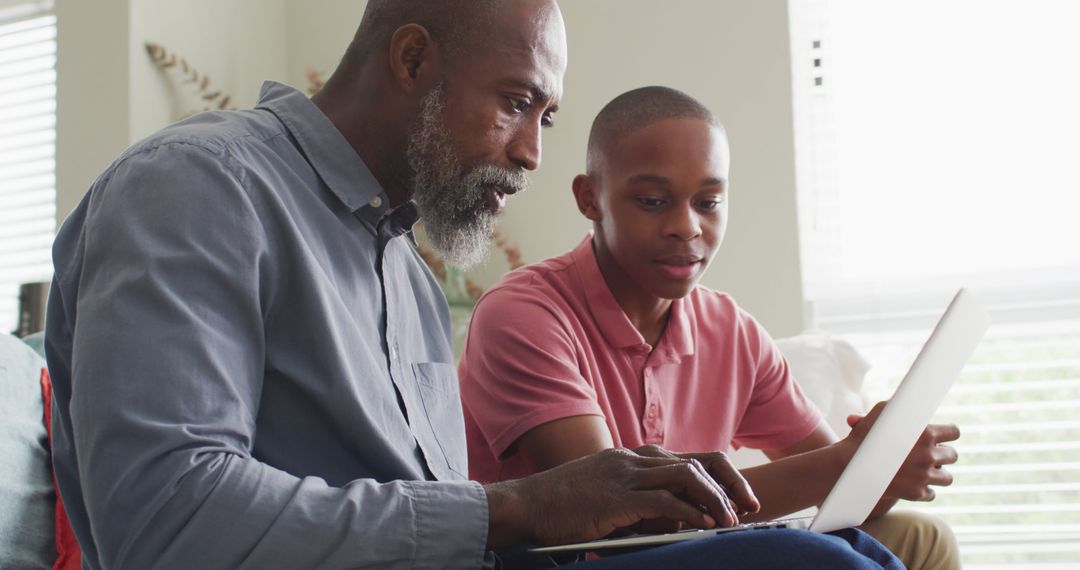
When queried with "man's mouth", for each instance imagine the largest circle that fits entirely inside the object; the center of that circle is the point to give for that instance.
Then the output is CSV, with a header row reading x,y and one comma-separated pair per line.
x,y
497,193
679,267
496,197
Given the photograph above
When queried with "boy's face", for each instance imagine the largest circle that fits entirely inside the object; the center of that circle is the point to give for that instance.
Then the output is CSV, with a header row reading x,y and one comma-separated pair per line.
x,y
659,205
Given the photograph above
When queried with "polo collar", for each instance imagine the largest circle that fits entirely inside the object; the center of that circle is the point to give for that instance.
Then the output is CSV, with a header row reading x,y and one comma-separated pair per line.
x,y
679,335
329,153
678,339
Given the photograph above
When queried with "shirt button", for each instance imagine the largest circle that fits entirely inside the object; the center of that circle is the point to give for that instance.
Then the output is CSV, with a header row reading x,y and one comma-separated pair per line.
x,y
375,202
652,411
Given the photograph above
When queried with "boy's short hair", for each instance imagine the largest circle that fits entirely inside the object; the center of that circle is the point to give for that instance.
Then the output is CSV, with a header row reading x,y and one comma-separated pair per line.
x,y
640,108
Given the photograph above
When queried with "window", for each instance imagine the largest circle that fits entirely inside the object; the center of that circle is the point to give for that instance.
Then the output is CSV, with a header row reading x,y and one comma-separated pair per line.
x,y
936,144
27,148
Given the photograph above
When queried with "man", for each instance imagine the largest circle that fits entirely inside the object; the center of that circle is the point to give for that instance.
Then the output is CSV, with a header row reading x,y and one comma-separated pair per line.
x,y
615,345
252,365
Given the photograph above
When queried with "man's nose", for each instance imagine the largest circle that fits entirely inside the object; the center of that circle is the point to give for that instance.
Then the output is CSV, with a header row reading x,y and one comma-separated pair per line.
x,y
525,148
683,222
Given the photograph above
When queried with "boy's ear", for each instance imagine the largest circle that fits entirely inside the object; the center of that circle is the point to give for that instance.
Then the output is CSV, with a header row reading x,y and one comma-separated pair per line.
x,y
414,58
585,194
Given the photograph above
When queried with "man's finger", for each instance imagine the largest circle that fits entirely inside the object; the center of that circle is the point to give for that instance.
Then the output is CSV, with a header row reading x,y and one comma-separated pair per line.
x,y
724,472
729,506
654,451
664,504
646,462
688,480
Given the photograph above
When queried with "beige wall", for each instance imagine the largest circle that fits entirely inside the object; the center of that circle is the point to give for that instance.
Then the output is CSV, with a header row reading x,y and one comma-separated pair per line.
x,y
93,101
111,95
732,54
237,43
318,33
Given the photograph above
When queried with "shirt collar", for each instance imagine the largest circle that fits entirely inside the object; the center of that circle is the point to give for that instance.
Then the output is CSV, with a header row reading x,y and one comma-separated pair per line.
x,y
679,335
617,329
613,323
332,157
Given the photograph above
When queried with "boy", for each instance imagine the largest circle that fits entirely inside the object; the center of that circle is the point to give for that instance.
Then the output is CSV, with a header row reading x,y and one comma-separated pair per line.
x,y
615,345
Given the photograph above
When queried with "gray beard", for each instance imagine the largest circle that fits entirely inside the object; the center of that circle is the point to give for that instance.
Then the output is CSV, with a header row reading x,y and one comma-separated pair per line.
x,y
451,197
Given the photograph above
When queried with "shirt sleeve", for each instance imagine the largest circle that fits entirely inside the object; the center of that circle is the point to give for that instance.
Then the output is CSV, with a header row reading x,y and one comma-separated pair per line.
x,y
778,414
167,370
520,368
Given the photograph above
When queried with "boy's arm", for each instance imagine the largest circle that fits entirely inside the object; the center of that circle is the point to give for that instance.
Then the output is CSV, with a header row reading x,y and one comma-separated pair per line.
x,y
816,462
563,440
813,462
799,476
555,443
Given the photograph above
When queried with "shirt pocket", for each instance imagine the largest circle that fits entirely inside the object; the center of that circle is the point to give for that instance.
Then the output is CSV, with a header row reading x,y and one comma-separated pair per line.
x,y
438,387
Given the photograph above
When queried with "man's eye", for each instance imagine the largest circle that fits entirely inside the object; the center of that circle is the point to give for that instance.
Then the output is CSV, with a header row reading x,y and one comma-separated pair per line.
x,y
518,105
547,121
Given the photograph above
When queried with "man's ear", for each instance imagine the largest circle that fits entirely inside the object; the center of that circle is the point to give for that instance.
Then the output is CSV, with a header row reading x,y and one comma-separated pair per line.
x,y
414,58
585,194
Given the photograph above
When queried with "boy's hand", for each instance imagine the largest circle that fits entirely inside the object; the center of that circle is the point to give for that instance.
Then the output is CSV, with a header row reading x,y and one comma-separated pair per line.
x,y
923,467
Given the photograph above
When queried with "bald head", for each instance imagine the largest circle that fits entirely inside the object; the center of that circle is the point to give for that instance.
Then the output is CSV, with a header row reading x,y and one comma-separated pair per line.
x,y
453,23
637,109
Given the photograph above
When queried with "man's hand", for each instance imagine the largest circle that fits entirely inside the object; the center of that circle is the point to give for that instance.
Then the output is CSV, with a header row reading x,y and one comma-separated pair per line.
x,y
589,498
923,467
740,496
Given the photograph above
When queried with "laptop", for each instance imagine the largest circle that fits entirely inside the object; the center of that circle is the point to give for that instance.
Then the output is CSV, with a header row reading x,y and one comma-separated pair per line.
x,y
887,444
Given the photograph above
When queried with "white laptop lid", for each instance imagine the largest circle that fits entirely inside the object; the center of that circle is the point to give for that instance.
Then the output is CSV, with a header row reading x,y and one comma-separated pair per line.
x,y
896,430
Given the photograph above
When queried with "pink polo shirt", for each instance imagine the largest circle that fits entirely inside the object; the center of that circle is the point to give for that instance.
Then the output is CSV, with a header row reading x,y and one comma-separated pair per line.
x,y
549,341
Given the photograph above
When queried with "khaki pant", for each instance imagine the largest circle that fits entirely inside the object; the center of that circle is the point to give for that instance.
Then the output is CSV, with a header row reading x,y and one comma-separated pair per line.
x,y
920,541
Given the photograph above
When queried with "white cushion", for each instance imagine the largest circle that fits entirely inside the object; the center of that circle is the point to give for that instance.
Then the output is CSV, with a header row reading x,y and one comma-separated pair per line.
x,y
830,372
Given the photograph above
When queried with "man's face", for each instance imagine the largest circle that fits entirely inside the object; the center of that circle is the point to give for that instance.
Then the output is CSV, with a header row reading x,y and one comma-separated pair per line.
x,y
479,131
662,205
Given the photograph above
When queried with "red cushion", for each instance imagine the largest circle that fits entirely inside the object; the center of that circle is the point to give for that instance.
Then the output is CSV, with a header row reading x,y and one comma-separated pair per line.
x,y
69,557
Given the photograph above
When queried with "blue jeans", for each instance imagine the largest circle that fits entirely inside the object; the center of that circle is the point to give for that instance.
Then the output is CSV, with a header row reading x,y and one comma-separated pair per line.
x,y
755,549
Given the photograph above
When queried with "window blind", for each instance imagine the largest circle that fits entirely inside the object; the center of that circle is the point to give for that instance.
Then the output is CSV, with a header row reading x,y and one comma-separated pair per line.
x,y
27,149
934,149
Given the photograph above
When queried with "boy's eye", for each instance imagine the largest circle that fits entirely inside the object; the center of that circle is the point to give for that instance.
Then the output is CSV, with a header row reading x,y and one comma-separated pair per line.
x,y
651,203
711,203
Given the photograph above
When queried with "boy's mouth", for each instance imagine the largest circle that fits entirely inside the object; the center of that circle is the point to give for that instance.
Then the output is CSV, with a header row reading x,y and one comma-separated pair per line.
x,y
679,267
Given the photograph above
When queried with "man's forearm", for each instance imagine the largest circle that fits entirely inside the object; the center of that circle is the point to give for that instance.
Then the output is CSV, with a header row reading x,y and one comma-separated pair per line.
x,y
505,516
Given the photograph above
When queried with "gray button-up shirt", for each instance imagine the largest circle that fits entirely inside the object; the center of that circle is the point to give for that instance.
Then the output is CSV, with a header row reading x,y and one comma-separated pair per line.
x,y
252,364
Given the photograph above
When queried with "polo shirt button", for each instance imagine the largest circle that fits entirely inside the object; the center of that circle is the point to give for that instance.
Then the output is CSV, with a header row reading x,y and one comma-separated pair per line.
x,y
375,202
652,411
